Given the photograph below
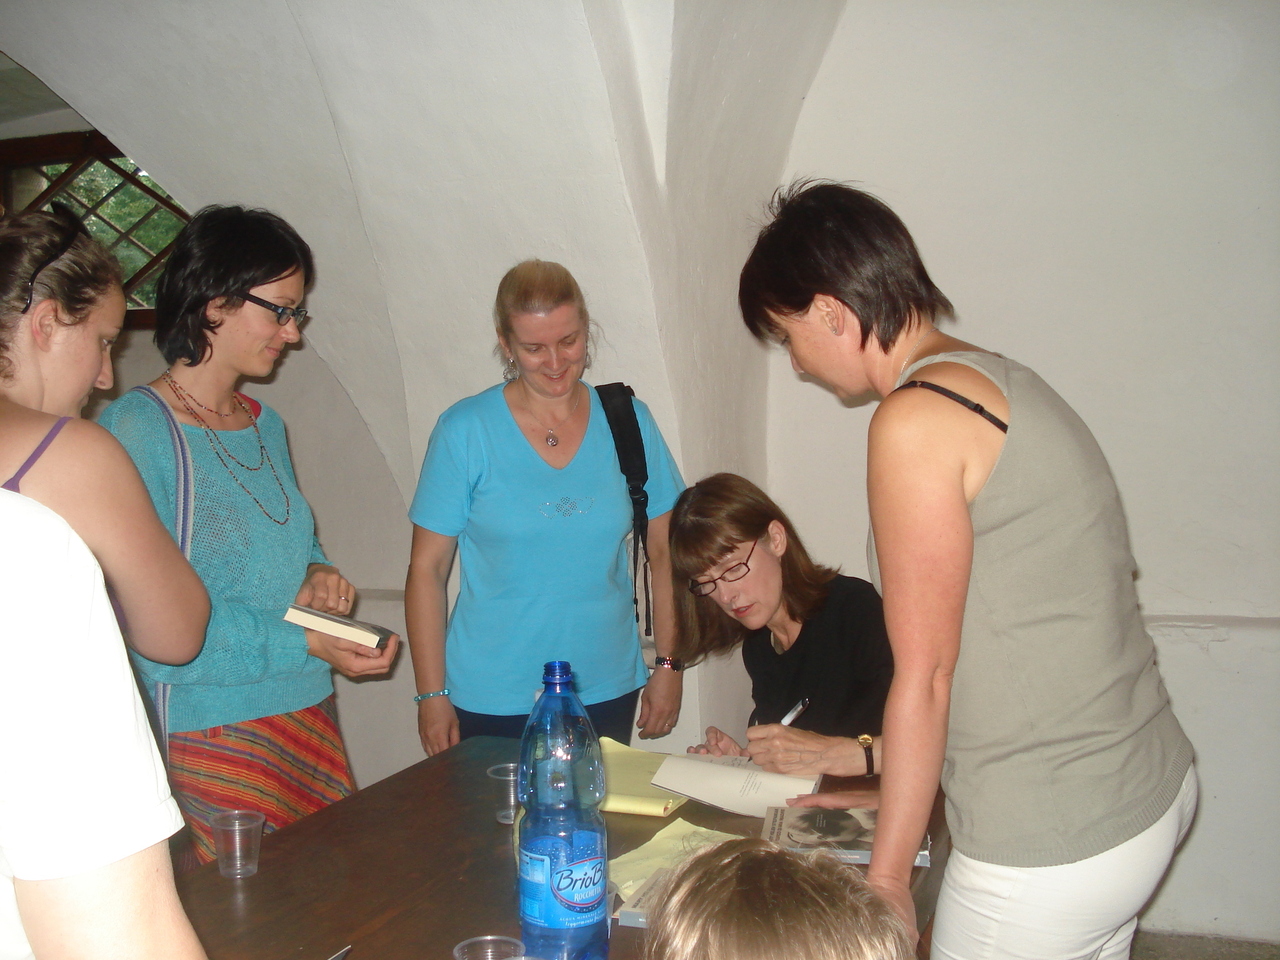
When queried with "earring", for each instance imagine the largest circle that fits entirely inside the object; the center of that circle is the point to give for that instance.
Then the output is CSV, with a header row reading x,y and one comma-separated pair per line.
x,y
509,371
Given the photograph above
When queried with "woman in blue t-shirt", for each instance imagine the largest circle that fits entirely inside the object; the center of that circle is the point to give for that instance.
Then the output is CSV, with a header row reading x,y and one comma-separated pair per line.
x,y
523,480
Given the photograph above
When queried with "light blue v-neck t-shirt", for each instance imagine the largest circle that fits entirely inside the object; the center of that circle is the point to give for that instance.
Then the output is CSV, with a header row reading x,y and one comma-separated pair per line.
x,y
543,553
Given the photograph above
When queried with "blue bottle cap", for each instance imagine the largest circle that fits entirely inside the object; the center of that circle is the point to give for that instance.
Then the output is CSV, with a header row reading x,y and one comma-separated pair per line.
x,y
557,671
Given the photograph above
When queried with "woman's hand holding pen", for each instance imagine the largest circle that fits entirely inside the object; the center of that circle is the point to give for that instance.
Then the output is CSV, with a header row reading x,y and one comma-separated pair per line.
x,y
783,749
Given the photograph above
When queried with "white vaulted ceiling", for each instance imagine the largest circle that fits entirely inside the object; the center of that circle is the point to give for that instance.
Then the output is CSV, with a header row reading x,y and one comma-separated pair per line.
x,y
422,148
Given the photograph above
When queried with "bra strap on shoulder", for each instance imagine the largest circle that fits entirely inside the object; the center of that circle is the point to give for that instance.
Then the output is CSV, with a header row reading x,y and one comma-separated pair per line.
x,y
13,482
977,408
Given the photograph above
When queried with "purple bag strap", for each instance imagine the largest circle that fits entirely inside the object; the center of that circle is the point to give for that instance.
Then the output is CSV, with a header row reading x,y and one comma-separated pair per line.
x,y
184,507
12,483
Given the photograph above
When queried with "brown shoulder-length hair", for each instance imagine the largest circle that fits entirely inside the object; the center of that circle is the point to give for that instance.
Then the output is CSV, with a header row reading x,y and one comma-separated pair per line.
x,y
709,520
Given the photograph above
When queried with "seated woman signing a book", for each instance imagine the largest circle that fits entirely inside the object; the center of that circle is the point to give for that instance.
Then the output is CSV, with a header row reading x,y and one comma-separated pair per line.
x,y
741,575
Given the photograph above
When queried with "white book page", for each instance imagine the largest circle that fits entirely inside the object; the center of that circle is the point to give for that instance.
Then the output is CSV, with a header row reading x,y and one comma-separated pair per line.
x,y
747,790
722,761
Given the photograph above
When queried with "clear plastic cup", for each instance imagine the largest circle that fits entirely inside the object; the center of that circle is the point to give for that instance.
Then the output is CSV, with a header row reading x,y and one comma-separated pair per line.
x,y
237,836
489,948
504,777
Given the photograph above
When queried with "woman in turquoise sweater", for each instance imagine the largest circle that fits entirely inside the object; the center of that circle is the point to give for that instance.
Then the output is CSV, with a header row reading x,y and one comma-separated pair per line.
x,y
251,721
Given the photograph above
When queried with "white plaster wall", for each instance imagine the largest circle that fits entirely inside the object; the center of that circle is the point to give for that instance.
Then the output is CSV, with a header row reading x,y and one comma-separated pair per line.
x,y
226,107
55,121
1095,187
737,73
1223,674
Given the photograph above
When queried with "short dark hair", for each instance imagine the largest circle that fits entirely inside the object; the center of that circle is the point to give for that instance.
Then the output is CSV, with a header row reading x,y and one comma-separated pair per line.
x,y
833,239
77,279
221,254
709,520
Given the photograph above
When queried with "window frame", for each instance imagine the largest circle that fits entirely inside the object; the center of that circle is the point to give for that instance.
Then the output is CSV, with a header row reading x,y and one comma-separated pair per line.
x,y
80,150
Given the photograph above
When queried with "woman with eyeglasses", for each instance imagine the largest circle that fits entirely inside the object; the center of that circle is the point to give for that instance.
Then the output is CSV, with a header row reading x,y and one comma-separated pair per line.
x,y
811,638
61,309
251,721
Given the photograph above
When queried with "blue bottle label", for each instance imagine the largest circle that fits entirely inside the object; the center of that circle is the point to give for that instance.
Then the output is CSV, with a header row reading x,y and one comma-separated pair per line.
x,y
563,896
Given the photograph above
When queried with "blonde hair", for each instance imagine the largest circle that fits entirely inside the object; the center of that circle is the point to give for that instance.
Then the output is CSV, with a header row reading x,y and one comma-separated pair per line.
x,y
535,286
751,899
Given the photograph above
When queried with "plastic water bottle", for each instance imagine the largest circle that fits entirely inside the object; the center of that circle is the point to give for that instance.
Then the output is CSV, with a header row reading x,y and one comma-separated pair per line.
x,y
563,906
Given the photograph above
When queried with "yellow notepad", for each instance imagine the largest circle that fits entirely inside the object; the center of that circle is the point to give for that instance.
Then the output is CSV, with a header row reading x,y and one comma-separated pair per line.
x,y
627,773
671,845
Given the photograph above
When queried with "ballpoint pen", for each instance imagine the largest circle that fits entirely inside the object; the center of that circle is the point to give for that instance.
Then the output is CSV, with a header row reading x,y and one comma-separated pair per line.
x,y
795,712
341,953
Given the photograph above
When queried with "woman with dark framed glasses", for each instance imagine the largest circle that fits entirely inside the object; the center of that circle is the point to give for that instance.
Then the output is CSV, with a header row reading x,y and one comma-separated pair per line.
x,y
809,635
251,722
61,309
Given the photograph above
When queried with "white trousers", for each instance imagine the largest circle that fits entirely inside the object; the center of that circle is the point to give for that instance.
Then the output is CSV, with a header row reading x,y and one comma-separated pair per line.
x,y
1086,910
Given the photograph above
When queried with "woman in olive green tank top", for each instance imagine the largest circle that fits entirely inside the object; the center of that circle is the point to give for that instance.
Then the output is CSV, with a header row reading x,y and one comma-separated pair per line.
x,y
1025,681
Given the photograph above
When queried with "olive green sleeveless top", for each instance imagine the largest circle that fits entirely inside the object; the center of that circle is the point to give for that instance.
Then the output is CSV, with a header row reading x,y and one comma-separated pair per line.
x,y
1061,742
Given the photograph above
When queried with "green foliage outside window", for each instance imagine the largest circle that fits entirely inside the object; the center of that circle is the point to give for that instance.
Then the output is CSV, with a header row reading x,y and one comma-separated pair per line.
x,y
130,222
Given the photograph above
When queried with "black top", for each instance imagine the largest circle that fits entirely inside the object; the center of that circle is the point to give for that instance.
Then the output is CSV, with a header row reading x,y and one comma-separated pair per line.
x,y
841,662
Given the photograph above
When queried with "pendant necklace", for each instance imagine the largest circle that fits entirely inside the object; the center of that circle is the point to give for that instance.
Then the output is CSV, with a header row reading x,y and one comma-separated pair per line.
x,y
551,439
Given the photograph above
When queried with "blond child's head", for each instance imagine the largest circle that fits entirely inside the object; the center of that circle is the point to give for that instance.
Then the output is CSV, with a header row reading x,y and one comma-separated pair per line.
x,y
754,900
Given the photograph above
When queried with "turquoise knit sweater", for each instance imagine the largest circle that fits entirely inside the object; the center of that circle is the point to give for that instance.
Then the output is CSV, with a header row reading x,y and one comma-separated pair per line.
x,y
253,663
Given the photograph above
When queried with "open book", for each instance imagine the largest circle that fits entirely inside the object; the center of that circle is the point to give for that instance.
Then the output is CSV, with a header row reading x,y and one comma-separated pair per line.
x,y
846,833
357,631
731,783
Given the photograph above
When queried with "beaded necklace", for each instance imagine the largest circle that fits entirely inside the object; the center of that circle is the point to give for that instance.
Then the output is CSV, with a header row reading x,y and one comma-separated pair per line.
x,y
223,454
173,385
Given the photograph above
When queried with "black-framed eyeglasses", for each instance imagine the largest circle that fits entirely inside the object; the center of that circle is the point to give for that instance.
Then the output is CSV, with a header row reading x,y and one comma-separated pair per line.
x,y
704,588
283,314
60,250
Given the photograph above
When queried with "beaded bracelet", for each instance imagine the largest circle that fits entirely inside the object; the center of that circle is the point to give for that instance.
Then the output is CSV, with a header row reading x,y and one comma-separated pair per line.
x,y
434,693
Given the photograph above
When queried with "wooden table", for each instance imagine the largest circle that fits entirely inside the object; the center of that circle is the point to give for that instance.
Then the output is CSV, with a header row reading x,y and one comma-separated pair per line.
x,y
403,870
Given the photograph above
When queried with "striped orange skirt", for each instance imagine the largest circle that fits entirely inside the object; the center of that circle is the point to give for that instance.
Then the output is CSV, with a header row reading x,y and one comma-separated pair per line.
x,y
286,766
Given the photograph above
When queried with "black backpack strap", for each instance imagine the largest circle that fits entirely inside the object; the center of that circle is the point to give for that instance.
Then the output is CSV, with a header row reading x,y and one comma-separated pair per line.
x,y
621,414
